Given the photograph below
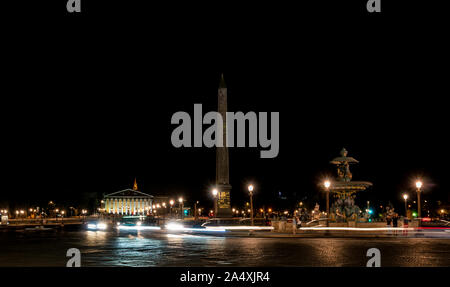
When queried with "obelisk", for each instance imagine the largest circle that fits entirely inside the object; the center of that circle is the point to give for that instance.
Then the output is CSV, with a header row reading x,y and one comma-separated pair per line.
x,y
222,159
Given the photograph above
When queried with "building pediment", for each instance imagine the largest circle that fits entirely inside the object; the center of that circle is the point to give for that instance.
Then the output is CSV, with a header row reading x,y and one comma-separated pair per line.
x,y
129,193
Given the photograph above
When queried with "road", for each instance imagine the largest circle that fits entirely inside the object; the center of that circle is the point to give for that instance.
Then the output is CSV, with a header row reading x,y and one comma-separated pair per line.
x,y
149,249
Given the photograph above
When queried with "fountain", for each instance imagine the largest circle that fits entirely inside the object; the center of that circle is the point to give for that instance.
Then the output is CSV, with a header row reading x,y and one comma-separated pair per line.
x,y
344,190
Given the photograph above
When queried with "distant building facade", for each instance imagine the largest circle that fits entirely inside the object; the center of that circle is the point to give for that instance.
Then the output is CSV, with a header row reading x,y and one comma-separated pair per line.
x,y
129,202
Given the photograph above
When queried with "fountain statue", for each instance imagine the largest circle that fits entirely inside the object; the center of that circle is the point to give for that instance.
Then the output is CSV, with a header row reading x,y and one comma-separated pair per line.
x,y
316,212
344,190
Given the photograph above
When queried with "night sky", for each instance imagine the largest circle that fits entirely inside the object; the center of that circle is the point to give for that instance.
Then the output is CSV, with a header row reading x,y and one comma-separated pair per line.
x,y
87,102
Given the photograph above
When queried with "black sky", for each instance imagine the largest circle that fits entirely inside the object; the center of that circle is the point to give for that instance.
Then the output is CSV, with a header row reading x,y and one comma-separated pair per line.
x,y
87,101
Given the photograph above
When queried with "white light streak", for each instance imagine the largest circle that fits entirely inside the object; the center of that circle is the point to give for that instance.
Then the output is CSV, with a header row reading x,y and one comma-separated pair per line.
x,y
356,228
123,227
243,227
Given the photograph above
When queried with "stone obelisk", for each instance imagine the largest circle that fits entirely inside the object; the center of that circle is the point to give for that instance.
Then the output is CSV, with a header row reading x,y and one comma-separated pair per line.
x,y
222,159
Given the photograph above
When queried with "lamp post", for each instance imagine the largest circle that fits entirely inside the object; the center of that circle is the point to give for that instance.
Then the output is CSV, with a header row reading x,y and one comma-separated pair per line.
x,y
405,197
62,217
215,192
165,210
171,202
250,190
195,211
327,185
180,200
419,186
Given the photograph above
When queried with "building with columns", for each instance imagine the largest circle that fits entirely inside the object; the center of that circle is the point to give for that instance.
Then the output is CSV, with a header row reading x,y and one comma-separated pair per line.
x,y
129,202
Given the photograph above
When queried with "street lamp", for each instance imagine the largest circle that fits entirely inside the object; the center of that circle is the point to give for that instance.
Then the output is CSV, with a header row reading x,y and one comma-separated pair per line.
x,y
327,185
171,202
180,200
405,197
250,190
195,211
419,186
84,211
56,215
215,192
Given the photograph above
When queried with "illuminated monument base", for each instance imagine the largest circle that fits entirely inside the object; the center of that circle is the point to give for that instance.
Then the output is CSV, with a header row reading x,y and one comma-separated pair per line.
x,y
224,203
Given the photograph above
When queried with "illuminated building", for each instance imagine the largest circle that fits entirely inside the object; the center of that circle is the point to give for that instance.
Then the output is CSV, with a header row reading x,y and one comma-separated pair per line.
x,y
129,202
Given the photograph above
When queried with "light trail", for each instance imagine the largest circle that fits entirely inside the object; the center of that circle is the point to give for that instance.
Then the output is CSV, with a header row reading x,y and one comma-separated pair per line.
x,y
373,228
98,226
122,227
244,227
357,228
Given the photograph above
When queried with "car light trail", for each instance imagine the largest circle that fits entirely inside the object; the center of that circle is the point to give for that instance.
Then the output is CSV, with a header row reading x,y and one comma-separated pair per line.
x,y
174,226
180,227
98,226
202,230
357,228
92,226
138,227
433,228
244,227
373,228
